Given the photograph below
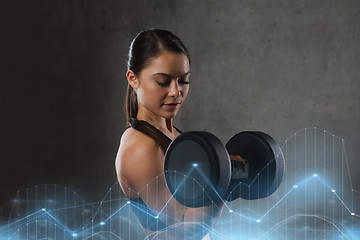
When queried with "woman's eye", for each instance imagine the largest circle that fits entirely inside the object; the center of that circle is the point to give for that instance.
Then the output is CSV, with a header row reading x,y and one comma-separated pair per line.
x,y
185,82
162,83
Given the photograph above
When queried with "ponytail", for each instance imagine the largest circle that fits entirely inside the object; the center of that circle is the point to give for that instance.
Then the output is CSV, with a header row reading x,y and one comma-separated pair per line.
x,y
131,104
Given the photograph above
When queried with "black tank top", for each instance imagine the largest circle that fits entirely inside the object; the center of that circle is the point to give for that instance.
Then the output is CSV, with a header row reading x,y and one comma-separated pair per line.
x,y
145,215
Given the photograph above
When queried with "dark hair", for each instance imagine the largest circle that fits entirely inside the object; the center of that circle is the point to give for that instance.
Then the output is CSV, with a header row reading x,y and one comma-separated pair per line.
x,y
146,45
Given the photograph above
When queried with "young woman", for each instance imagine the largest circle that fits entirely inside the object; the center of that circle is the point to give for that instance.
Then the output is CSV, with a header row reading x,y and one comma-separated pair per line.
x,y
158,78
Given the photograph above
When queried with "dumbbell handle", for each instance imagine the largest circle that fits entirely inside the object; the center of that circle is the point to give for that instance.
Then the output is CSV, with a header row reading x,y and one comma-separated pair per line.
x,y
239,167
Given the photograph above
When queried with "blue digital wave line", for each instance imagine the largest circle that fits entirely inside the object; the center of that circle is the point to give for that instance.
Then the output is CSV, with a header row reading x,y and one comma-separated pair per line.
x,y
38,215
49,223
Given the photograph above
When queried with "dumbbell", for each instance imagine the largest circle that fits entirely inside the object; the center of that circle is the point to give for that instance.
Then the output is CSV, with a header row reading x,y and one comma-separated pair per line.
x,y
199,169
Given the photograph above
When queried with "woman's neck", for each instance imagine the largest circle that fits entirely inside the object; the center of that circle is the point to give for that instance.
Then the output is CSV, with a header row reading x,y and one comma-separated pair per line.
x,y
163,124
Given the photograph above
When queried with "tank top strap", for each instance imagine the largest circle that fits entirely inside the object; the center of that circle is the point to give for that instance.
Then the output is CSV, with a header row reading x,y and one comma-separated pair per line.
x,y
160,138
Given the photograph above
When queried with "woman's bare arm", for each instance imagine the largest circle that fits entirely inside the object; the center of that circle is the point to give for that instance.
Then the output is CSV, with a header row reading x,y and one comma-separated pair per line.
x,y
141,162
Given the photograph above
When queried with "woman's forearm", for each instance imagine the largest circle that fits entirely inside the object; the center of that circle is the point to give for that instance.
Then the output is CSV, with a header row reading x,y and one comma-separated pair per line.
x,y
208,215
181,231
195,225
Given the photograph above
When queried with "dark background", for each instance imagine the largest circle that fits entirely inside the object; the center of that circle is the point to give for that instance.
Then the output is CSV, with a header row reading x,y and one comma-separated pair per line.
x,y
275,66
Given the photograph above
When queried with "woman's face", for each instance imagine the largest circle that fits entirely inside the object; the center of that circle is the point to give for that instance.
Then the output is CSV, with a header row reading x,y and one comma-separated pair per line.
x,y
163,85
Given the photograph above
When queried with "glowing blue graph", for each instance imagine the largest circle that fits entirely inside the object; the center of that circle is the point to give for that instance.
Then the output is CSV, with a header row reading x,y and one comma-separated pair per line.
x,y
316,200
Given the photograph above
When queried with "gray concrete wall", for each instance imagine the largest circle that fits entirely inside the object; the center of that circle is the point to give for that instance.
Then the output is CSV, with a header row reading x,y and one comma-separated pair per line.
x,y
275,66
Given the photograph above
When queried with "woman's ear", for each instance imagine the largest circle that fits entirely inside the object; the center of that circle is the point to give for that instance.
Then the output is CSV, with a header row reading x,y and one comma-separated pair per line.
x,y
132,79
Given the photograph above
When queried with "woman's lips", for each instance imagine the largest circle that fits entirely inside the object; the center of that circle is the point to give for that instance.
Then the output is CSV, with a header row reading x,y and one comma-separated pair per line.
x,y
172,105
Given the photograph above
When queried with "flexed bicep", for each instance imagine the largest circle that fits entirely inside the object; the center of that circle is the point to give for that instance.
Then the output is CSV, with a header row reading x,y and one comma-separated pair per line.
x,y
141,170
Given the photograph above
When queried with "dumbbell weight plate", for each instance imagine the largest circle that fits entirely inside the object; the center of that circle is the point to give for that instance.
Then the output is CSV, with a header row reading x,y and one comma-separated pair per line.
x,y
265,165
197,168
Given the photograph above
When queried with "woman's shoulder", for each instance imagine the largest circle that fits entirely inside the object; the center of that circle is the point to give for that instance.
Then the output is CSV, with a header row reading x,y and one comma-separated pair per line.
x,y
135,147
132,138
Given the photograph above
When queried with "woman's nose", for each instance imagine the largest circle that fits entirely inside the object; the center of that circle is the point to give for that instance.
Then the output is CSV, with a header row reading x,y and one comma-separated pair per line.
x,y
174,89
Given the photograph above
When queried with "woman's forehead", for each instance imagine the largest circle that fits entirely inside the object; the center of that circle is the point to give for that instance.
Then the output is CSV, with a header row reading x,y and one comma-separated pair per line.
x,y
171,63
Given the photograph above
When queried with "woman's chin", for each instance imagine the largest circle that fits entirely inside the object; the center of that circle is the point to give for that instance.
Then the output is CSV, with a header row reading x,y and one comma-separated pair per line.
x,y
170,114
